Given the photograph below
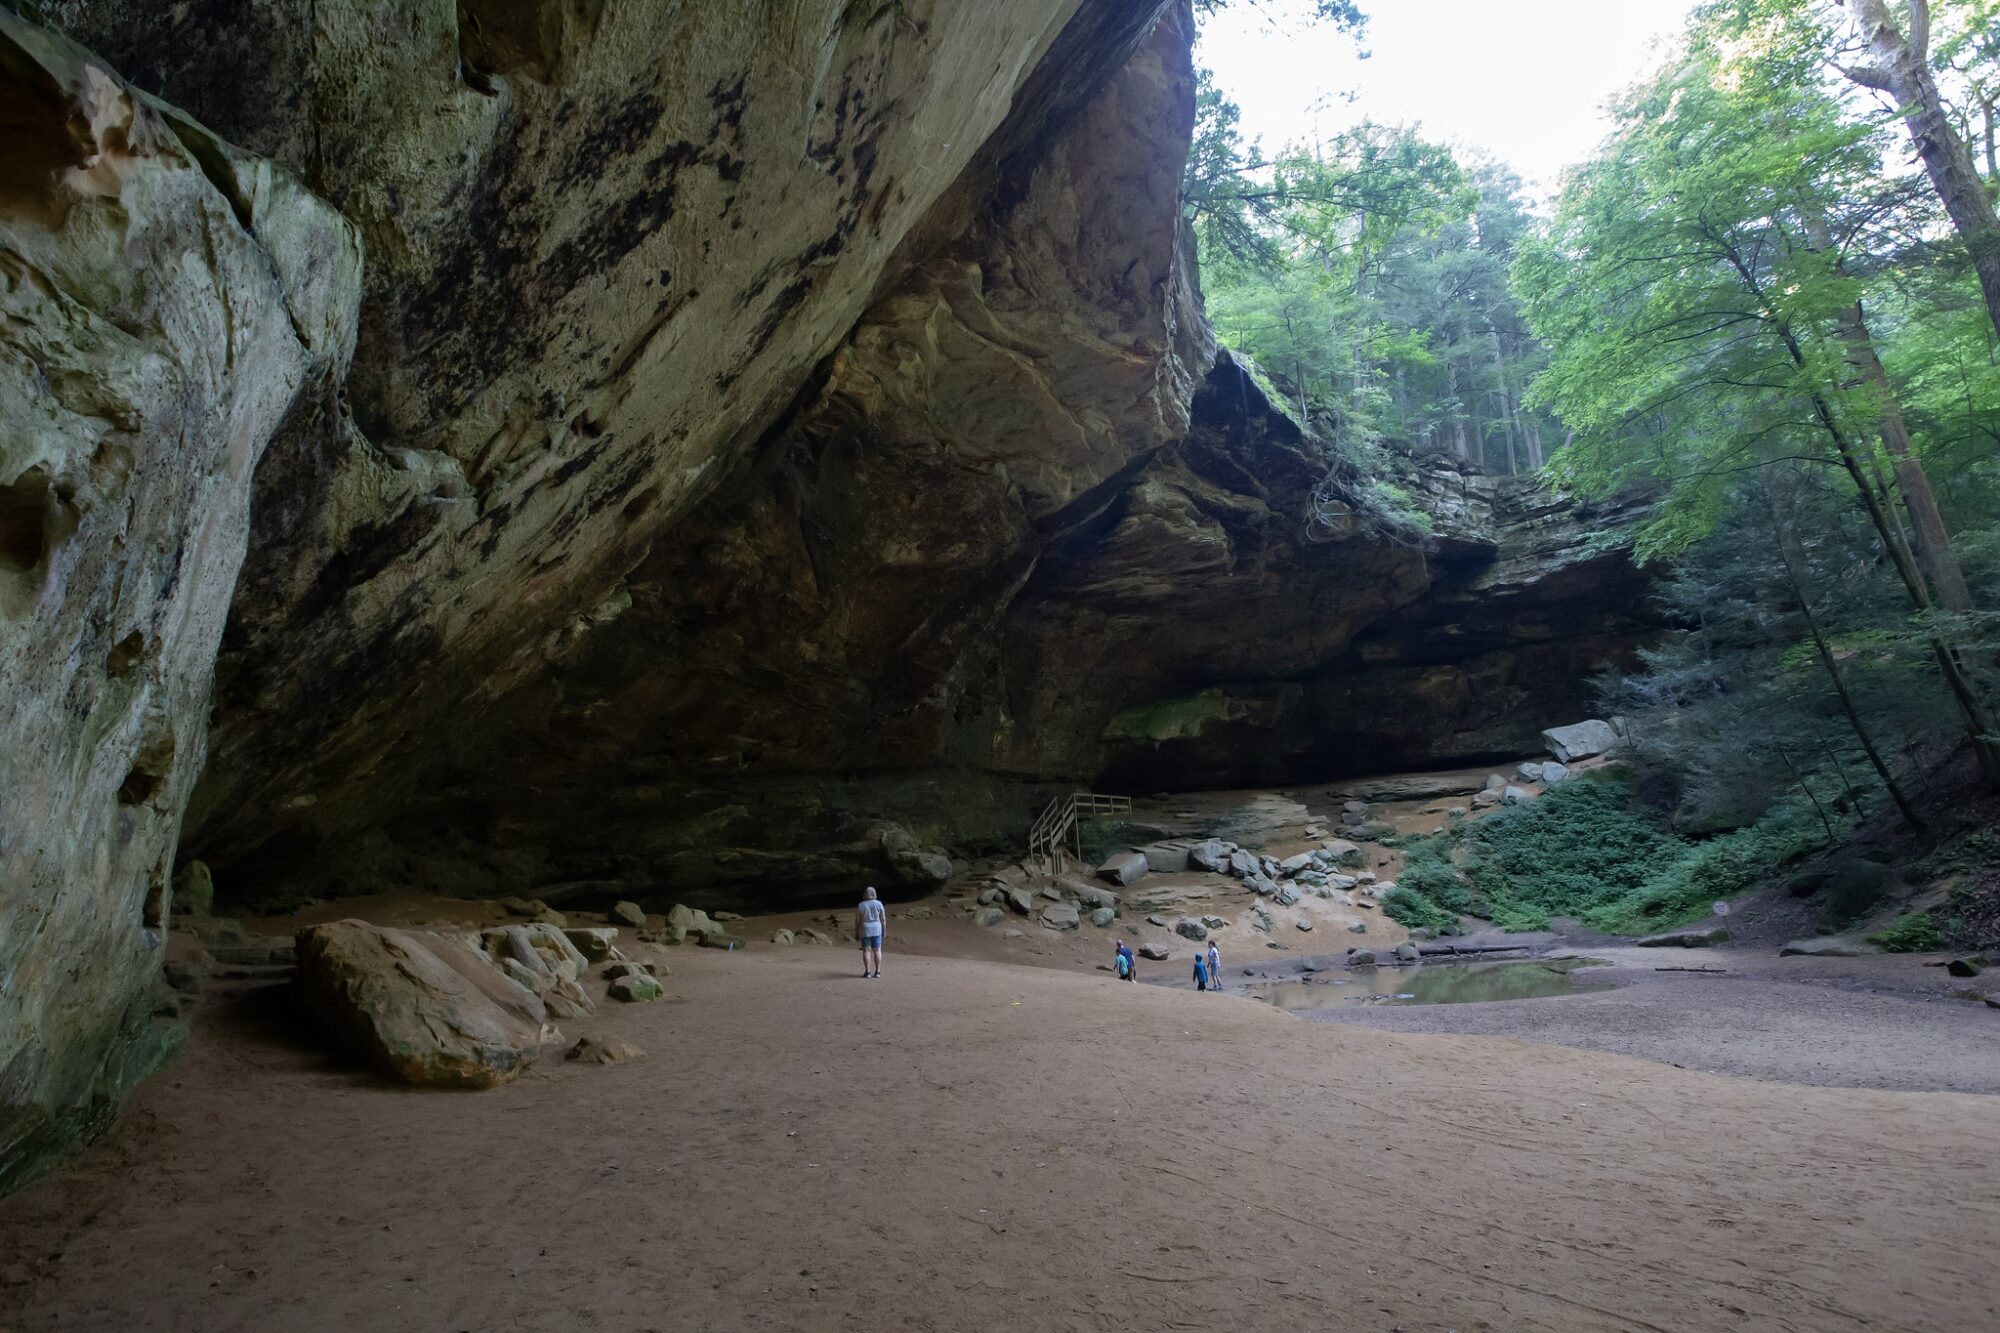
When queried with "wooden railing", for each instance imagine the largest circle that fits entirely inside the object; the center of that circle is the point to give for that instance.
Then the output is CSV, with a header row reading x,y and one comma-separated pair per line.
x,y
1060,824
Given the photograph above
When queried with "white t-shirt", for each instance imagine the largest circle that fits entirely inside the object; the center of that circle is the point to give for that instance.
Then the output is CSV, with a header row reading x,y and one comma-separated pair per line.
x,y
870,914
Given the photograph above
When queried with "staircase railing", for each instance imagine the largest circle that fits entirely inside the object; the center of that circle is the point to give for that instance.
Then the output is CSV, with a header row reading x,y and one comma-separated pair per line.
x,y
1062,822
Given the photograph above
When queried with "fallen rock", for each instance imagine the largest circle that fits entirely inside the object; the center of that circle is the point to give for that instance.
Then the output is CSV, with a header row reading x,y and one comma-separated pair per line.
x,y
1088,897
811,936
1215,922
1166,858
1828,946
988,916
1360,958
1512,795
726,916
1580,740
1969,966
721,939
1212,856
1124,868
1554,773
1292,865
989,897
630,913
567,999
593,942
603,1051
1020,902
1190,929
1061,916
1694,937
1286,895
636,988
1345,853
1156,920
1303,924
1159,953
1530,771
1260,883
1494,782
194,890
1357,927
783,938
1407,952
1103,916
1242,864
421,1008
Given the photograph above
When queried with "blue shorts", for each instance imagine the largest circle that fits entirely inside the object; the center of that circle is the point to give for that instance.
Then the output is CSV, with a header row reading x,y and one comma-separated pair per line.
x,y
872,941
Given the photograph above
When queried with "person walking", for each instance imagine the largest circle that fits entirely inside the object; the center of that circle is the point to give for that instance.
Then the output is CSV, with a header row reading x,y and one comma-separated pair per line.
x,y
1200,971
869,919
1214,966
1125,964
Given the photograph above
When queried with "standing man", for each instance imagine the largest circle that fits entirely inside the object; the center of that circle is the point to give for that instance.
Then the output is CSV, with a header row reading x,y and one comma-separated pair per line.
x,y
868,922
1214,966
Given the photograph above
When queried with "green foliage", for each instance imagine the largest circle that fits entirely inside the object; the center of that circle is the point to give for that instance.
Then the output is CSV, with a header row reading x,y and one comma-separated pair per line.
x,y
1913,932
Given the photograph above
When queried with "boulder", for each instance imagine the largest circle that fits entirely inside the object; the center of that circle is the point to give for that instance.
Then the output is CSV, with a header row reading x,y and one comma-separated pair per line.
x,y
1060,916
1166,858
1343,883
1303,923
1530,771
1487,799
1828,946
1019,901
1345,853
1215,922
1969,966
1357,927
1190,929
1156,920
421,1008
1360,958
593,942
1212,856
719,938
691,920
525,977
567,999
908,861
1103,916
603,1051
1407,952
1580,740
726,916
989,897
1494,782
811,936
1693,937
1242,864
1512,795
549,916
630,914
783,938
1159,953
1088,897
1123,868
1292,865
542,949
1286,896
1260,883
1354,807
636,988
1553,773
988,916
194,890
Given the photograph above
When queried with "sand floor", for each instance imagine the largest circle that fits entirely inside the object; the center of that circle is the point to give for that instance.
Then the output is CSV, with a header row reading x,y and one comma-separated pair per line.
x,y
973,1145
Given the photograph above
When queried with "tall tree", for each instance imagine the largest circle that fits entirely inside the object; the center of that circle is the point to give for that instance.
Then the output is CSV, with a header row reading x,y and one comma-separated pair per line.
x,y
1901,69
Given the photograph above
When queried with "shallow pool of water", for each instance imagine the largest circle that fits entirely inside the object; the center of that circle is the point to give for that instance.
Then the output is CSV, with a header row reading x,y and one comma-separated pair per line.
x,y
1432,983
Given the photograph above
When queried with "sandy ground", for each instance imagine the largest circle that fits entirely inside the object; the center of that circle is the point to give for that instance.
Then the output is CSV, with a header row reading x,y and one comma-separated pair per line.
x,y
972,1145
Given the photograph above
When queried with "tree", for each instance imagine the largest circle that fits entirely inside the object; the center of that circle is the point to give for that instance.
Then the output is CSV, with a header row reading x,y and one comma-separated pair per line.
x,y
1901,69
1695,297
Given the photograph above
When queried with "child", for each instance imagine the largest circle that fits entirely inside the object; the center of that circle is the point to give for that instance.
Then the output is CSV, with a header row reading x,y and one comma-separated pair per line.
x,y
1200,971
1128,966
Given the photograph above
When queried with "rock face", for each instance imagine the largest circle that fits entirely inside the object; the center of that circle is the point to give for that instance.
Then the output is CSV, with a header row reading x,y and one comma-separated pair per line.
x,y
421,1008
766,451
138,391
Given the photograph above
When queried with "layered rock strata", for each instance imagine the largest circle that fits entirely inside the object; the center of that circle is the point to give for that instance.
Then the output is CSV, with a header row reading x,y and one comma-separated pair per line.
x,y
166,302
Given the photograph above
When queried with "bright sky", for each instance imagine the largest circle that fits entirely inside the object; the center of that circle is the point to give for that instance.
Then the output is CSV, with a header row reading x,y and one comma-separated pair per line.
x,y
1522,79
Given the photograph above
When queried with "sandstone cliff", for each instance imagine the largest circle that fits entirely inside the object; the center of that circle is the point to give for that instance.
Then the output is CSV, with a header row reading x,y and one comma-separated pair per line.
x,y
751,425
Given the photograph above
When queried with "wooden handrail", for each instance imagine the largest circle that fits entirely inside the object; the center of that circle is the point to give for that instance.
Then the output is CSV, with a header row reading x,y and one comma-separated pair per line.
x,y
1061,820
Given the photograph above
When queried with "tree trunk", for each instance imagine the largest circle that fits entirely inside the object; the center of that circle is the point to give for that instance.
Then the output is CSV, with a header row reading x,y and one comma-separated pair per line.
x,y
1791,558
1902,70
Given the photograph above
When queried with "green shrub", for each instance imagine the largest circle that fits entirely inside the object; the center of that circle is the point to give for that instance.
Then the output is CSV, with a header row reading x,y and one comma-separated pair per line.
x,y
1720,867
1913,932
1577,850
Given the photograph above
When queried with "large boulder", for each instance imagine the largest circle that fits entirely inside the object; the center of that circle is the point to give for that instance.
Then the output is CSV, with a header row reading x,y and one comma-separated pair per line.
x,y
1243,865
1061,916
419,1007
1580,740
1345,853
1089,897
1124,867
1167,858
1188,928
1212,856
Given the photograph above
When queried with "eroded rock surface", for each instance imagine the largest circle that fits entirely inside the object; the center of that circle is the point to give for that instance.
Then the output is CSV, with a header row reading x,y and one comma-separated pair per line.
x,y
165,303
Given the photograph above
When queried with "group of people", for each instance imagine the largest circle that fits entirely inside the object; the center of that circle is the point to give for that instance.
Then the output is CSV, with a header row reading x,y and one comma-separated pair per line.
x,y
1207,966
870,917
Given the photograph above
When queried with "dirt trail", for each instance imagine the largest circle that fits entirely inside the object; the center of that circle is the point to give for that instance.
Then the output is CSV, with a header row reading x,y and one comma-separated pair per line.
x,y
968,1145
